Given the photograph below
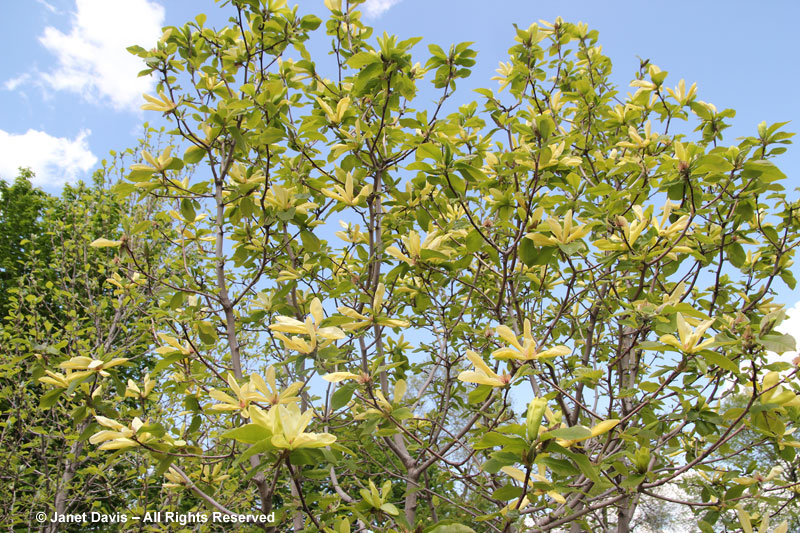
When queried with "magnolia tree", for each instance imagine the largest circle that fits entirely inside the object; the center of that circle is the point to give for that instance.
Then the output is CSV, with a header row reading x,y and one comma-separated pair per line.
x,y
554,244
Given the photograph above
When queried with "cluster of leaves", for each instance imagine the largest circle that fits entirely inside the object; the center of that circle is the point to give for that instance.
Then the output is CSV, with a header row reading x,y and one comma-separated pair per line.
x,y
63,328
20,206
554,240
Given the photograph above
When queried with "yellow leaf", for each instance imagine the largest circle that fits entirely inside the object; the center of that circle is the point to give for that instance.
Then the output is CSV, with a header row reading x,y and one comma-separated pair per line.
x,y
105,243
604,427
164,104
336,377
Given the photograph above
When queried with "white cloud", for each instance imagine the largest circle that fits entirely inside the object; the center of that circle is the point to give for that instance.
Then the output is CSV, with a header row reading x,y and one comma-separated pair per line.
x,y
50,7
92,57
13,83
54,160
376,8
790,326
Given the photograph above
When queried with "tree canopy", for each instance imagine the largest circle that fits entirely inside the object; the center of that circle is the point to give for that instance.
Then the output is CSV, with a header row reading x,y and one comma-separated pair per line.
x,y
364,310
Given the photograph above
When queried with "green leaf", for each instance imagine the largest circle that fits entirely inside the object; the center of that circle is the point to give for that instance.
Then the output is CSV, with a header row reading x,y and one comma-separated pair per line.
x,y
310,241
194,154
259,447
166,361
778,342
457,184
713,358
50,398
402,413
249,434
163,465
390,509
174,163
736,254
570,433
493,465
187,210
471,174
561,467
155,429
676,191
207,332
362,59
310,22
764,170
545,125
713,163
342,396
447,526
474,241
631,482
584,464
479,394
236,133
507,492
529,252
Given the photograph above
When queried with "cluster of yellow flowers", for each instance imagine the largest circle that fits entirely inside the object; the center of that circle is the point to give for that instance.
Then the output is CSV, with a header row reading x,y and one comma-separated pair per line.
x,y
310,327
119,437
287,426
256,390
527,350
80,367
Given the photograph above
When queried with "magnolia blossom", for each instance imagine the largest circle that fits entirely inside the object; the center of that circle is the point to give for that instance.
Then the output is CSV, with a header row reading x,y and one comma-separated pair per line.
x,y
134,391
269,388
119,437
285,324
287,425
483,375
528,350
361,320
562,233
282,199
245,394
345,194
689,342
539,477
87,366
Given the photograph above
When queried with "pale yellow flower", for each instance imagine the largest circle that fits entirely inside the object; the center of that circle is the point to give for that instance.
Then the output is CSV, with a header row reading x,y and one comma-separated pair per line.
x,y
118,437
361,320
535,477
345,194
133,390
528,350
269,388
283,199
289,426
483,375
245,394
689,342
87,366
562,232
310,327
603,427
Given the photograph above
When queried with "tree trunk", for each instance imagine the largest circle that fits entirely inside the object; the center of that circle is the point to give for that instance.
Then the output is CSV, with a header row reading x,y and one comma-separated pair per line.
x,y
625,513
412,493
628,370
70,467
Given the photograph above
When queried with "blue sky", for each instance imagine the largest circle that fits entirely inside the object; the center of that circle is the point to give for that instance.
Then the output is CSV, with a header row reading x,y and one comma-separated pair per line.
x,y
69,91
